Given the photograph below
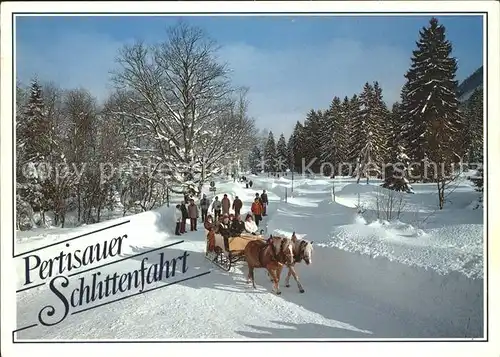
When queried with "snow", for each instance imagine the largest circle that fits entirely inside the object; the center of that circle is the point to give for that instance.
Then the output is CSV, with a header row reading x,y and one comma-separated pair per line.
x,y
417,276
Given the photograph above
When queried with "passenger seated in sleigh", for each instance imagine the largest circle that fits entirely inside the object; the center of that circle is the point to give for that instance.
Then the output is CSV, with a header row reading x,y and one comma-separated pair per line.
x,y
224,229
210,227
250,226
237,226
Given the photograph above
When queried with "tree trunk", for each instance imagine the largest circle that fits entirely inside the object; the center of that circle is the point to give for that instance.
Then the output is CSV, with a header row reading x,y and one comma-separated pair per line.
x,y
79,203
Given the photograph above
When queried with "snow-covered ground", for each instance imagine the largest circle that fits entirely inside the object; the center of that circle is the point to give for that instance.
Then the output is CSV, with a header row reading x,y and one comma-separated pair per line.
x,y
417,276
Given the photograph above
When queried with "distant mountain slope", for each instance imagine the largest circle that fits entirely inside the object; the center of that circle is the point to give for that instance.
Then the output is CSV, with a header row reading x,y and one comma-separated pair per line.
x,y
471,83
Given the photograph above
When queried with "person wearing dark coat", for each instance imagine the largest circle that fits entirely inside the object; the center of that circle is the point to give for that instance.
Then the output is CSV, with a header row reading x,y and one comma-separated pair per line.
x,y
184,216
177,217
237,226
250,183
257,196
264,201
224,229
204,205
237,204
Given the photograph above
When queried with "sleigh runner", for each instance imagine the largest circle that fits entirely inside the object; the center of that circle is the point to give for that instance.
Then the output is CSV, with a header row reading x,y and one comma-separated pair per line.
x,y
225,260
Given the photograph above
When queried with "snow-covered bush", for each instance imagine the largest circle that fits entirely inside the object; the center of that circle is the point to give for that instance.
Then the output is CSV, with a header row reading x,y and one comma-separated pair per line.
x,y
389,204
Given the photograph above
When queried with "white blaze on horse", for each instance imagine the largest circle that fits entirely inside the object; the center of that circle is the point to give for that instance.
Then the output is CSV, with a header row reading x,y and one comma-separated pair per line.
x,y
302,250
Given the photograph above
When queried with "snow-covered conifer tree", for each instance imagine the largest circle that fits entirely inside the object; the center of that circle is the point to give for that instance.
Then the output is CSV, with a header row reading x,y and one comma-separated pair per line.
x,y
281,154
431,108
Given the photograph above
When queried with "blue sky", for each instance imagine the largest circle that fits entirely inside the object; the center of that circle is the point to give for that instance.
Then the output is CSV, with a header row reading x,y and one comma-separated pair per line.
x,y
290,64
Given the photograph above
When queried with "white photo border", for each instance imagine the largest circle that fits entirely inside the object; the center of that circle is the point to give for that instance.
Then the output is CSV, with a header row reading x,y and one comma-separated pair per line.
x,y
488,347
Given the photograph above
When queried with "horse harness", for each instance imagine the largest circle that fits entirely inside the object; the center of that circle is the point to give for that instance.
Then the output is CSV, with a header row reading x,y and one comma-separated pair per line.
x,y
282,248
298,258
278,255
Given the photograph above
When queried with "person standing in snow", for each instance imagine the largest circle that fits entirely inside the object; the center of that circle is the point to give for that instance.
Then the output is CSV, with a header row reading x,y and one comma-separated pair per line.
x,y
204,204
237,204
264,201
216,208
193,215
226,204
250,183
177,217
184,216
257,211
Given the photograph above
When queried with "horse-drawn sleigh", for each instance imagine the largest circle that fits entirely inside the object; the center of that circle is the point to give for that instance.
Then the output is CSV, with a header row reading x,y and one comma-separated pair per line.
x,y
225,260
271,253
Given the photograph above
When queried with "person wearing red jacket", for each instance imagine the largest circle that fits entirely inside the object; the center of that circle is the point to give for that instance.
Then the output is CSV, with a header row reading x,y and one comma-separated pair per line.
x,y
257,210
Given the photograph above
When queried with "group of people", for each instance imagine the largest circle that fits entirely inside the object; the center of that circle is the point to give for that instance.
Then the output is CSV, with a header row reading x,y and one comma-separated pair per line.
x,y
259,206
190,211
184,212
223,206
232,225
242,179
228,225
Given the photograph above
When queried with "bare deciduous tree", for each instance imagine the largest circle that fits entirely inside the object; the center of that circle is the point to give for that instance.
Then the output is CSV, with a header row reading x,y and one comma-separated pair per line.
x,y
184,95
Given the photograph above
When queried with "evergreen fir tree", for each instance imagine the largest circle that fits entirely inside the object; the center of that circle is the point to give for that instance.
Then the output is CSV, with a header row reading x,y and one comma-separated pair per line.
x,y
270,154
472,132
395,149
263,138
370,131
401,121
255,160
379,119
299,147
347,113
281,154
333,138
34,145
34,126
396,171
290,153
358,133
312,140
431,109
394,132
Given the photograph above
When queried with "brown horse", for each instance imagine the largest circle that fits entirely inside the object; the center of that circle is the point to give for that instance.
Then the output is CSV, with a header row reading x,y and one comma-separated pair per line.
x,y
302,250
261,254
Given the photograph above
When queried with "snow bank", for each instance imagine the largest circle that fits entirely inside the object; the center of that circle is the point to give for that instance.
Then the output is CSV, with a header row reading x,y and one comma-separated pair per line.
x,y
445,241
353,188
454,248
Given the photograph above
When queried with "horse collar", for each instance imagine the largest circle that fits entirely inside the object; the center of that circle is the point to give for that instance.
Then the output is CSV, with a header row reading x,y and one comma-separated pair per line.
x,y
282,246
300,253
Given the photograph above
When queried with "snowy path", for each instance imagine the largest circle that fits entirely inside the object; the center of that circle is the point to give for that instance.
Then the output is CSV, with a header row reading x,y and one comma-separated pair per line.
x,y
348,295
